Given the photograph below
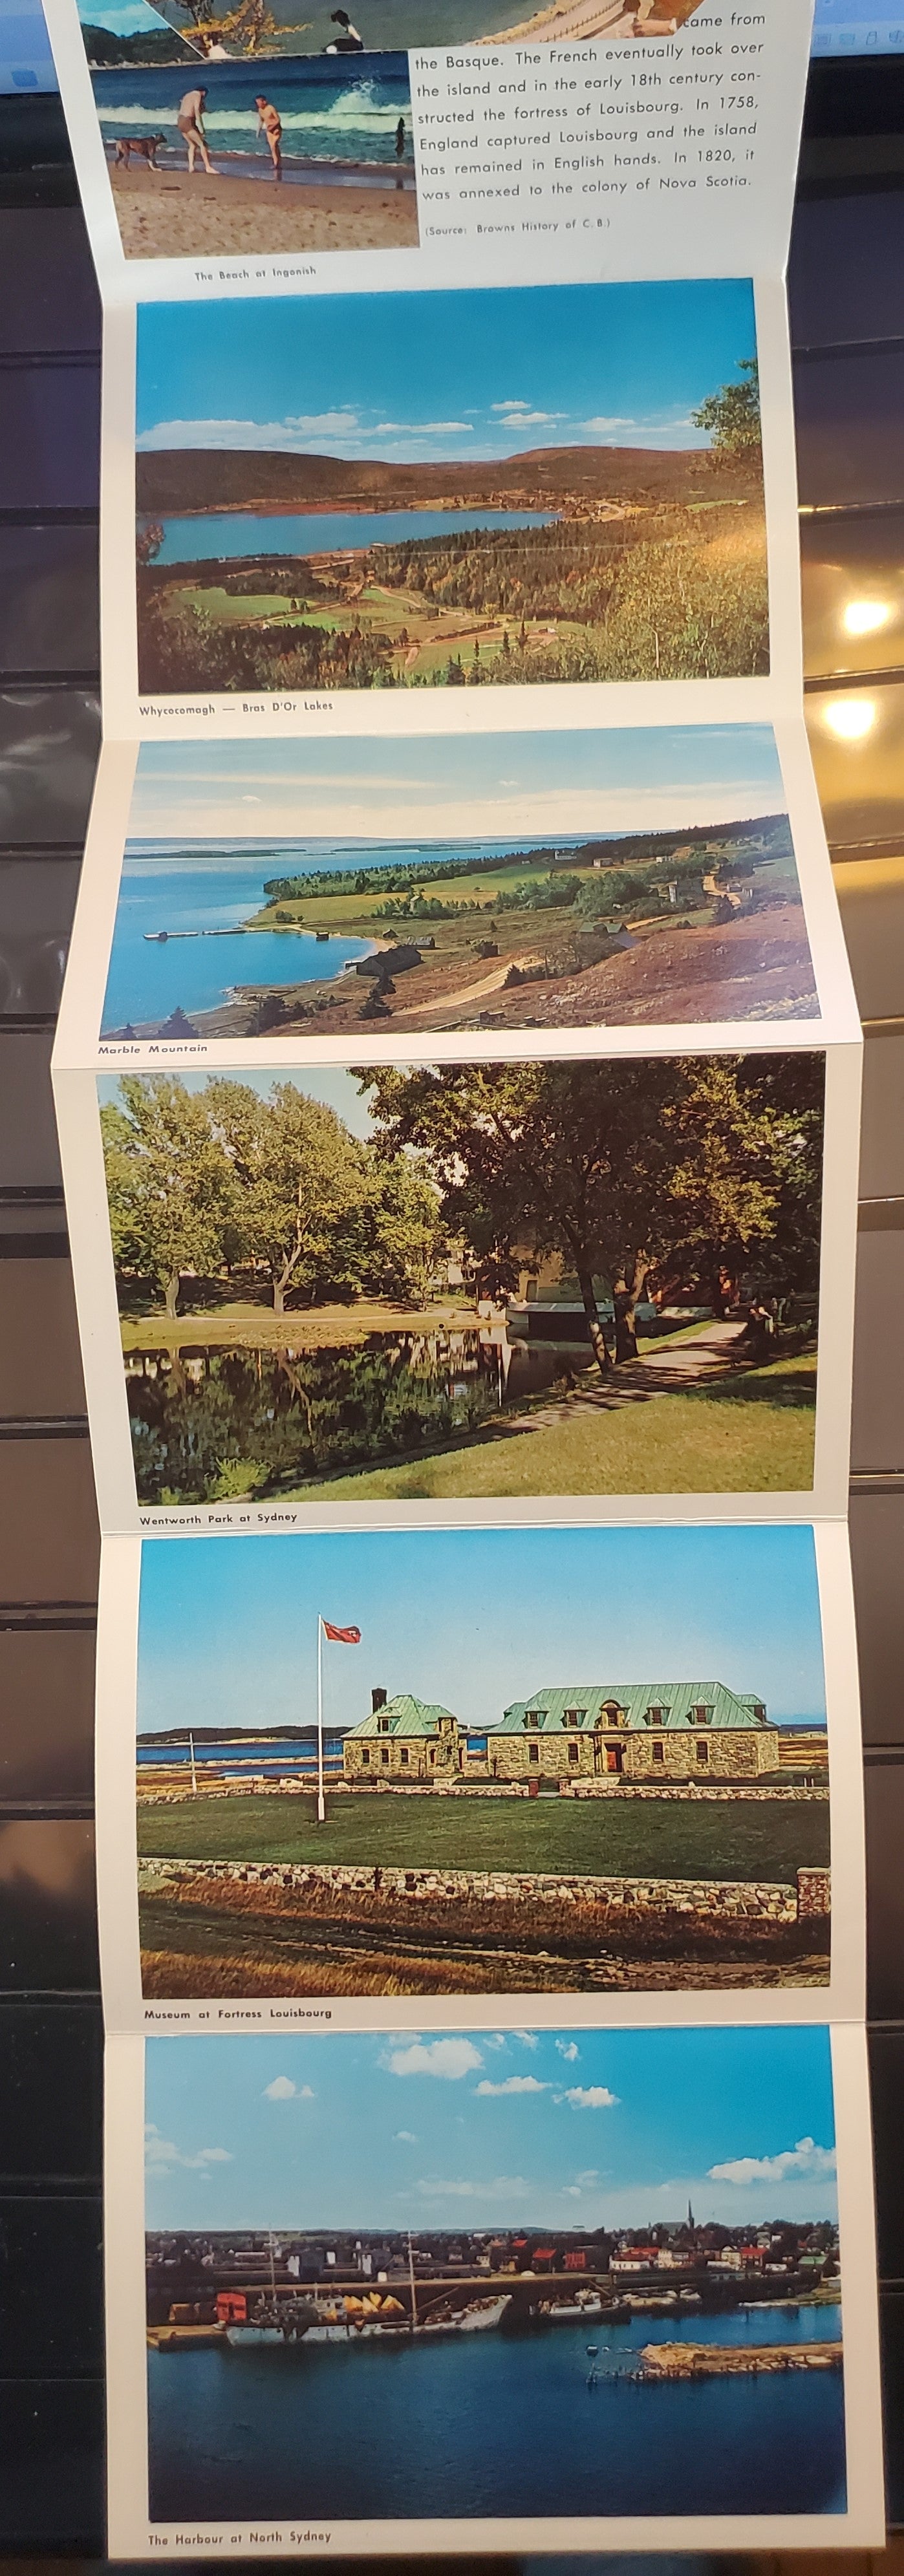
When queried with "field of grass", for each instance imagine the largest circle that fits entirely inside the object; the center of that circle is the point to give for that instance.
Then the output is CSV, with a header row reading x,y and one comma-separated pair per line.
x,y
752,1433
740,1840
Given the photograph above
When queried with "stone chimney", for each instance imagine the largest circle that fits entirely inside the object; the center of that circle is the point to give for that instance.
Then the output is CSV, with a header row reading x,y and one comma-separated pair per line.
x,y
377,1700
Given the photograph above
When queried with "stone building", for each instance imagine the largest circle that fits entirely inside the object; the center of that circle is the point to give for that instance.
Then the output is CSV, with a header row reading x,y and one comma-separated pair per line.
x,y
635,1731
644,1731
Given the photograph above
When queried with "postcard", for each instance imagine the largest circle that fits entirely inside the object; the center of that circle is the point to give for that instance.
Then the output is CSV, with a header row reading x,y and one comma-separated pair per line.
x,y
642,877
457,1282
245,147
355,1776
570,2289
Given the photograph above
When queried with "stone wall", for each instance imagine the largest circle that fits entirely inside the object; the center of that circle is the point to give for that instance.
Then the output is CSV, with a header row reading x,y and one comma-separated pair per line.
x,y
712,1901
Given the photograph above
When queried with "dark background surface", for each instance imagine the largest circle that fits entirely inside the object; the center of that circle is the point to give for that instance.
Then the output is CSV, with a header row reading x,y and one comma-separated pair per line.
x,y
847,309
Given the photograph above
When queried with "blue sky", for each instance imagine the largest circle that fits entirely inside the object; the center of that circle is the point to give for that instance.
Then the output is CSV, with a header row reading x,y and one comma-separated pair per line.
x,y
331,1084
471,373
123,17
572,2128
472,1618
641,779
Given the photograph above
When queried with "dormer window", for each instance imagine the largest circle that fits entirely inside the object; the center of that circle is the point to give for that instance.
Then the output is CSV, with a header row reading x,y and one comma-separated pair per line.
x,y
532,1717
655,1715
610,1713
701,1714
383,1726
573,1716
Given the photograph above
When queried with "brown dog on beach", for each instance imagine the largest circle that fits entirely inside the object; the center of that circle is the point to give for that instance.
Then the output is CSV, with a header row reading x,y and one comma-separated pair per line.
x,y
147,147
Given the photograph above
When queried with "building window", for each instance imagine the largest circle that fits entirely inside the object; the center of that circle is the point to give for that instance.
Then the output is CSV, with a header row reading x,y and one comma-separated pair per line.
x,y
433,1753
532,1717
533,1752
659,1752
574,1753
384,1752
703,1753
383,1724
573,1716
404,1754
365,1755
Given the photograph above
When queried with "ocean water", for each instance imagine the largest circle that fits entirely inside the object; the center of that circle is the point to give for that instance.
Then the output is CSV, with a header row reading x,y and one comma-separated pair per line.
x,y
218,536
164,887
494,2424
245,1753
147,980
329,112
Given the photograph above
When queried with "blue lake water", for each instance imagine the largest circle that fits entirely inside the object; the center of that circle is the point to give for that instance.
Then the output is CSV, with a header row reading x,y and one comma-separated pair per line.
x,y
219,536
494,2424
148,979
165,886
329,111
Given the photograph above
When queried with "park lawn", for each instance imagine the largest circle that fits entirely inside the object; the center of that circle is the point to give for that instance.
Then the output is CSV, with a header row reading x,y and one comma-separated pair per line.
x,y
737,1839
744,1434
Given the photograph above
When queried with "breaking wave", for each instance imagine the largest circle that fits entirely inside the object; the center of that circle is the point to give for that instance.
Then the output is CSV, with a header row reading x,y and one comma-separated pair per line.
x,y
359,111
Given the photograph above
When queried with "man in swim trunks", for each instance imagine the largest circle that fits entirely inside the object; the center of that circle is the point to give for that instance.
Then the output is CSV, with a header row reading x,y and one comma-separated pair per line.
x,y
190,121
268,123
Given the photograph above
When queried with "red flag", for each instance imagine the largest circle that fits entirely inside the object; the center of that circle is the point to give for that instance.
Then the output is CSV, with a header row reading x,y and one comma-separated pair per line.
x,y
342,1636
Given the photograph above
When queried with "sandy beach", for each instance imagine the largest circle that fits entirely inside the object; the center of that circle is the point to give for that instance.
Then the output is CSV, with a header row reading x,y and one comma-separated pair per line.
x,y
165,214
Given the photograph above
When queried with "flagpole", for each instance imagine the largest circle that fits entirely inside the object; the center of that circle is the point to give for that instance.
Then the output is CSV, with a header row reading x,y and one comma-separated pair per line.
x,y
321,1804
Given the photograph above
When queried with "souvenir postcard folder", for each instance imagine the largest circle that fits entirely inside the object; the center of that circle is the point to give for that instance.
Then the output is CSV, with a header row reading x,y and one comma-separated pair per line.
x,y
458,1090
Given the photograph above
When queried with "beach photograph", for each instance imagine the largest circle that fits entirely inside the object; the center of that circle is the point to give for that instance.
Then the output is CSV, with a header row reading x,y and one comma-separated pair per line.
x,y
534,2274
136,31
537,484
357,1775
644,876
500,1279
211,157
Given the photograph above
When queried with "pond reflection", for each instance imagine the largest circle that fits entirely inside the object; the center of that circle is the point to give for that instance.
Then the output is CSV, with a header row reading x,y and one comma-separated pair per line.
x,y
210,1423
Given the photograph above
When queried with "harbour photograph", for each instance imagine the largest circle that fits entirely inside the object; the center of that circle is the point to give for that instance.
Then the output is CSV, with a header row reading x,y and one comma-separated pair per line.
x,y
140,31
356,1775
604,520
630,877
303,153
527,1278
538,2274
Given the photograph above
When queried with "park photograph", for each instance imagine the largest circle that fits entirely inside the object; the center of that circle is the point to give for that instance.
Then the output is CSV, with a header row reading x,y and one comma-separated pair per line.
x,y
541,2275
537,484
468,1280
655,882
358,1775
152,31
237,153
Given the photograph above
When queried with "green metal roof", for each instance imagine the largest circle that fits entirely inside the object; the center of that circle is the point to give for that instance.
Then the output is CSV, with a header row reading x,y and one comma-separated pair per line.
x,y
406,1716
724,1708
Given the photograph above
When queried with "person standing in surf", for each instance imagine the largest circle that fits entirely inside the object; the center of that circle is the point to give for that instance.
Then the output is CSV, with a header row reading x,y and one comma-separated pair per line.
x,y
270,124
190,122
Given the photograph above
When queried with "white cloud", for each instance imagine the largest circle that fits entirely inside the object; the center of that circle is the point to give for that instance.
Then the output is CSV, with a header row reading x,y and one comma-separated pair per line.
x,y
529,419
161,2154
513,405
451,2058
806,2160
405,2138
618,421
282,2089
589,2097
502,2187
418,429
528,2038
514,2084
568,2048
291,433
495,2039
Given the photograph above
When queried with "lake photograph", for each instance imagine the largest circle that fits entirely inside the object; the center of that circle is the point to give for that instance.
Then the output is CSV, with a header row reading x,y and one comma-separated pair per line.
x,y
490,1824
643,875
573,493
469,1279
540,2274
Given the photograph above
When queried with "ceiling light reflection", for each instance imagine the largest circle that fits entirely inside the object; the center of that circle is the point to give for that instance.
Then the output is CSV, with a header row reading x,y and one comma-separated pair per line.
x,y
866,616
850,719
